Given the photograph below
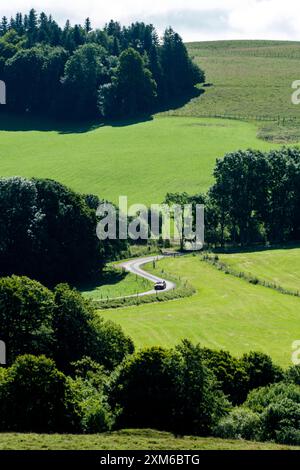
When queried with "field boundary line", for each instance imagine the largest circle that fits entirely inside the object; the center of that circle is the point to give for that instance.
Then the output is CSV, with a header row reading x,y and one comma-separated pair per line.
x,y
254,280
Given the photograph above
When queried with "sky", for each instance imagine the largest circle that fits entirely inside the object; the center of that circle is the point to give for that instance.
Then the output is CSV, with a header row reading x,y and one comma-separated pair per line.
x,y
195,20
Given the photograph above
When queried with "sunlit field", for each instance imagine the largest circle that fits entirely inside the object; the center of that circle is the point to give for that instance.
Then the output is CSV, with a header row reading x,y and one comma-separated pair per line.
x,y
225,313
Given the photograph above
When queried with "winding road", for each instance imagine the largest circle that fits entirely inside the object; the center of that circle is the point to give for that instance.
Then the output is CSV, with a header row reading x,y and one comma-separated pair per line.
x,y
135,267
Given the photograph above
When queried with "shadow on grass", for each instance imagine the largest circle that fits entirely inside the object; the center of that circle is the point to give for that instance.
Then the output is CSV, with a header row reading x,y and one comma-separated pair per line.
x,y
181,101
109,277
25,122
11,122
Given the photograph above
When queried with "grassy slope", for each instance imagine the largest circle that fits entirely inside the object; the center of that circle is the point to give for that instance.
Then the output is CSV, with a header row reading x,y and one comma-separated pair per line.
x,y
126,440
143,161
281,267
117,284
146,160
249,78
226,313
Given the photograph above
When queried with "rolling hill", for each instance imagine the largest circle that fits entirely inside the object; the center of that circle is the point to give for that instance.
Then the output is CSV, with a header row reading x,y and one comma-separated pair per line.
x,y
225,313
145,160
251,79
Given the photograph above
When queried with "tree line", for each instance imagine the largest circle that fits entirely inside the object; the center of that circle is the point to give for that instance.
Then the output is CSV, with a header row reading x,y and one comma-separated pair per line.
x,y
80,72
255,198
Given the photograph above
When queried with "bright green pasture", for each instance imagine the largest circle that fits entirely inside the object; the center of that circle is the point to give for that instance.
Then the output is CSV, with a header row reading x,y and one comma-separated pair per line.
x,y
281,267
143,161
248,78
225,313
116,283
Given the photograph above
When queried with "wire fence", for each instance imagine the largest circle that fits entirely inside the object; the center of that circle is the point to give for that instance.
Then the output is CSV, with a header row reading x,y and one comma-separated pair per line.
x,y
281,120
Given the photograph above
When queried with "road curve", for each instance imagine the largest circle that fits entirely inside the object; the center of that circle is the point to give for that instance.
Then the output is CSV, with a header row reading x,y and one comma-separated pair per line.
x,y
134,266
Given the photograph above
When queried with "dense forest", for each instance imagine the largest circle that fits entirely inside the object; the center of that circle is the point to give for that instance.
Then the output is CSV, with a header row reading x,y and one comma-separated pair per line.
x,y
83,73
48,232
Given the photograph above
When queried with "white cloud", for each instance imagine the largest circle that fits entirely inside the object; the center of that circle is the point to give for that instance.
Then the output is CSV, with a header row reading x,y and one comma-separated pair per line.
x,y
193,19
266,19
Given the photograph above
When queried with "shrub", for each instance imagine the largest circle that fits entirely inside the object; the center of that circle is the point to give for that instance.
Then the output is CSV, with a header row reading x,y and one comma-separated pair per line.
x,y
229,372
258,400
36,397
279,408
91,405
72,326
79,332
180,292
281,422
241,423
109,345
167,389
89,370
292,375
260,369
96,417
26,309
288,435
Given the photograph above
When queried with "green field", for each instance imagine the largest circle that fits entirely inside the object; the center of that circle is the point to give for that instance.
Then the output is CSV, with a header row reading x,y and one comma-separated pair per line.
x,y
143,161
225,313
280,267
116,283
127,440
177,151
249,78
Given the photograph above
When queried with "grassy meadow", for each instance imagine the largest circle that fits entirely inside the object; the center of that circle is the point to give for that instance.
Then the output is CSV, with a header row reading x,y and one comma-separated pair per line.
x,y
248,78
116,283
225,313
177,151
143,161
142,439
146,159
280,266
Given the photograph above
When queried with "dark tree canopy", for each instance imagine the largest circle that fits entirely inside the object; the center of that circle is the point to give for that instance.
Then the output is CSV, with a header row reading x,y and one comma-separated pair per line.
x,y
48,232
36,396
60,323
169,390
133,89
26,312
81,72
79,332
255,198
